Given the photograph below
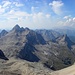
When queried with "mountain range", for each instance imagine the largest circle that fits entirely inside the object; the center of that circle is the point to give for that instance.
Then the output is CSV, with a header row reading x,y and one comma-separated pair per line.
x,y
53,49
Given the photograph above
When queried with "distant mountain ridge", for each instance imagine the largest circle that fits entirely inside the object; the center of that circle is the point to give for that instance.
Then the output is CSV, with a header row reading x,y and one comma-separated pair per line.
x,y
69,31
66,40
48,35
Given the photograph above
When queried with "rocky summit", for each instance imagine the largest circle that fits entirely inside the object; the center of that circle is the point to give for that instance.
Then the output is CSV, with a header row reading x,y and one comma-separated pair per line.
x,y
48,48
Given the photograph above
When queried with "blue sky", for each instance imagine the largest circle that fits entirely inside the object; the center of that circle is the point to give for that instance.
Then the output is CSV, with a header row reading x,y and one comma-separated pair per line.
x,y
37,14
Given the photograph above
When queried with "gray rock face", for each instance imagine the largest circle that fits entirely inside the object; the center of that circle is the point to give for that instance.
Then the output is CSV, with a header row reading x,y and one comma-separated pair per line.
x,y
2,56
27,53
35,38
32,46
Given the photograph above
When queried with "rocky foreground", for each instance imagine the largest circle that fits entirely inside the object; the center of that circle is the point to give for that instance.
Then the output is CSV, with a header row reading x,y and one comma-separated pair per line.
x,y
22,67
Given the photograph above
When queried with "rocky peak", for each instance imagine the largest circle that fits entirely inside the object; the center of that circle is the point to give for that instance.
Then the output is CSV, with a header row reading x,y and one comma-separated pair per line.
x,y
16,27
27,28
3,33
65,40
35,38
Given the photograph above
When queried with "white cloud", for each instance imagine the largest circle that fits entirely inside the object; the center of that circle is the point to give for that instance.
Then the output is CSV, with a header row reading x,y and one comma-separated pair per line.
x,y
18,4
68,21
34,20
12,14
41,20
48,15
67,17
57,7
37,17
34,9
74,19
2,10
4,6
6,3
